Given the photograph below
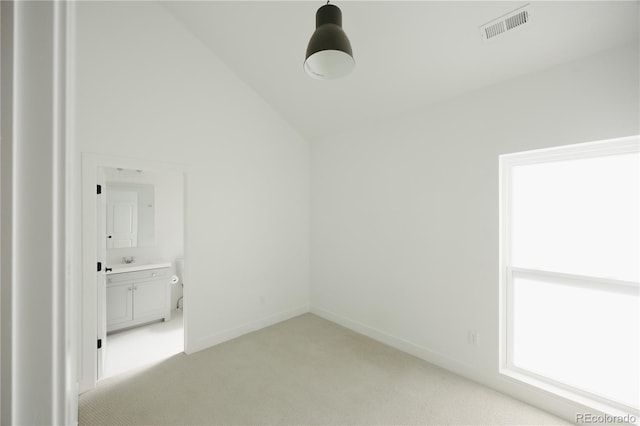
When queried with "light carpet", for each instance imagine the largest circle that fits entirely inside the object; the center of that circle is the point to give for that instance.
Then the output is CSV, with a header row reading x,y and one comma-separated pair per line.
x,y
304,371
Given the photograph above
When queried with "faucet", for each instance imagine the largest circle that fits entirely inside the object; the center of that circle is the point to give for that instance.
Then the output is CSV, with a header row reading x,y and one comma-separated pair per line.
x,y
128,260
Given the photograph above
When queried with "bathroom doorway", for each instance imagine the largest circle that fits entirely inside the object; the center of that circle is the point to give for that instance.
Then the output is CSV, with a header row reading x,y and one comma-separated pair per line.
x,y
142,301
133,229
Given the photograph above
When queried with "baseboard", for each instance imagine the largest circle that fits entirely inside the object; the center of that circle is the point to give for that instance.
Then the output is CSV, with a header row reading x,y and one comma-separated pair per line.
x,y
418,351
226,335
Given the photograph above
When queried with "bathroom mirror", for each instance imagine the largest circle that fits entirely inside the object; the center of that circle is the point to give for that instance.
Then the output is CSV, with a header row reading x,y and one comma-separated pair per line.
x,y
130,215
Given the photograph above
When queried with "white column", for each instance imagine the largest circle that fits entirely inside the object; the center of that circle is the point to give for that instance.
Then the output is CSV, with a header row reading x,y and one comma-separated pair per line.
x,y
35,380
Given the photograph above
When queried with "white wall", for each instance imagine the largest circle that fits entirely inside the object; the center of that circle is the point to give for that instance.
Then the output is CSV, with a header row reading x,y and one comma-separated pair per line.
x,y
405,213
147,89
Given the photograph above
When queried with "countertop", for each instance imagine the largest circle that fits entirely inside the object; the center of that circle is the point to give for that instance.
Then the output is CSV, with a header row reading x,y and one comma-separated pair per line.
x,y
133,267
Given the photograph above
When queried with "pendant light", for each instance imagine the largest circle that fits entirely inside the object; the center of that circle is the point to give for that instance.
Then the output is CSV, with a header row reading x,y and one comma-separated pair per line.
x,y
329,52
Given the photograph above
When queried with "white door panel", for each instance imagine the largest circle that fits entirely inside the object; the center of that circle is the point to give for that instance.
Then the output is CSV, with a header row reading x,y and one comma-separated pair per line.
x,y
122,218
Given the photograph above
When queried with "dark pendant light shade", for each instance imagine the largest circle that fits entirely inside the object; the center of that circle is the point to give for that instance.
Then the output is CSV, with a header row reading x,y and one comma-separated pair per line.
x,y
329,53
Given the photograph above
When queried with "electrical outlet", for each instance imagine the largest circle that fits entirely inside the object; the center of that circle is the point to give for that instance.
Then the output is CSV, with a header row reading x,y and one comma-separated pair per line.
x,y
473,337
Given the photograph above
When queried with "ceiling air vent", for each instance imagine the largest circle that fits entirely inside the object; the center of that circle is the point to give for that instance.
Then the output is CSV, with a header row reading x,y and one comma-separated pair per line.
x,y
506,23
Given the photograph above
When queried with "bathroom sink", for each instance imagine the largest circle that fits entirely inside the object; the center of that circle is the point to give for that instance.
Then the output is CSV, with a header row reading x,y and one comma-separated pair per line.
x,y
132,267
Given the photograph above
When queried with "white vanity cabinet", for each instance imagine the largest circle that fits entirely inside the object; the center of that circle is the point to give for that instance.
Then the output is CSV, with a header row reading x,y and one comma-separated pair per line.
x,y
138,297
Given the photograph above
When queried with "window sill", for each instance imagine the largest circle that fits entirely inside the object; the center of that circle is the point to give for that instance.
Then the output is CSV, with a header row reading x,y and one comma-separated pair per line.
x,y
599,406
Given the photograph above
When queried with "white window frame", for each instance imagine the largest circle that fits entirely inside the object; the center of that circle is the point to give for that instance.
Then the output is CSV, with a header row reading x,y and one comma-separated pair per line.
x,y
507,272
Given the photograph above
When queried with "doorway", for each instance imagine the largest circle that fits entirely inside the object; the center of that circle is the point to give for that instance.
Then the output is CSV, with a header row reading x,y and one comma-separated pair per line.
x,y
133,307
142,298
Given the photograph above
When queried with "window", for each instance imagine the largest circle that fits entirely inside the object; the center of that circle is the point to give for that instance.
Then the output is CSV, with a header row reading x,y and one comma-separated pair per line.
x,y
570,254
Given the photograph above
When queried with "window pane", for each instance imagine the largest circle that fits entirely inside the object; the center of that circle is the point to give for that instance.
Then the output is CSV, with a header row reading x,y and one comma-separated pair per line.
x,y
586,338
578,216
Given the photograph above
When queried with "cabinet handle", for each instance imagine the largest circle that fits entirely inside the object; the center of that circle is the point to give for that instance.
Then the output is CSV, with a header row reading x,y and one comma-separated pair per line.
x,y
135,287
129,289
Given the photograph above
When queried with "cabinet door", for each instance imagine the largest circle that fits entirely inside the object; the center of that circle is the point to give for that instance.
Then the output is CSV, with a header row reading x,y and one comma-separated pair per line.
x,y
119,304
122,218
151,299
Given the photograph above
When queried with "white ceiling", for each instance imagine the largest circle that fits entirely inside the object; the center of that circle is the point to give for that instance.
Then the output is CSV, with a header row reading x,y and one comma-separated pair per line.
x,y
408,54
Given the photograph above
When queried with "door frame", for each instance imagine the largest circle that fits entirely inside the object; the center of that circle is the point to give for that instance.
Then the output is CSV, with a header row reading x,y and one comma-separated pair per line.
x,y
101,257
91,162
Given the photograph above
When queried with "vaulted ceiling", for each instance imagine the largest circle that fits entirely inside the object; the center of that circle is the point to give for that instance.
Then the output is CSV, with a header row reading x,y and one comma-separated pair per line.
x,y
408,54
